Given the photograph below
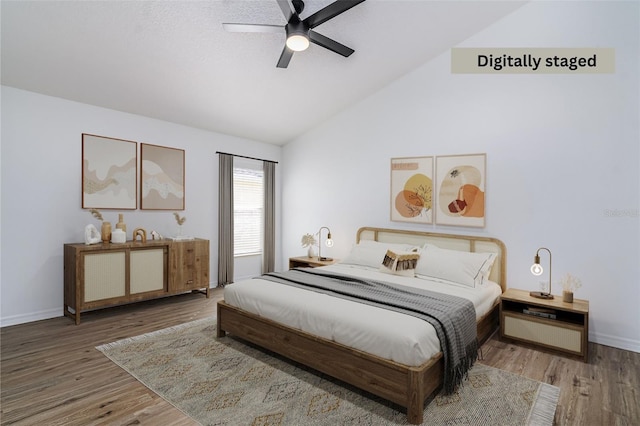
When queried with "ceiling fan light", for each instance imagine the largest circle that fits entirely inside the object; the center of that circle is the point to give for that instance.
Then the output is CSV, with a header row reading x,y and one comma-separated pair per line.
x,y
297,42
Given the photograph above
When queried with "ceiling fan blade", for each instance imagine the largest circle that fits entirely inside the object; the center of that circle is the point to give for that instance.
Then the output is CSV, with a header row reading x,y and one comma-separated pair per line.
x,y
285,6
331,11
253,28
330,44
285,58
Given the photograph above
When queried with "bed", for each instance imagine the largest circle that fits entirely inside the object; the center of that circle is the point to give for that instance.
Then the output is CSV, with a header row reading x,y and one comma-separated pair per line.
x,y
388,354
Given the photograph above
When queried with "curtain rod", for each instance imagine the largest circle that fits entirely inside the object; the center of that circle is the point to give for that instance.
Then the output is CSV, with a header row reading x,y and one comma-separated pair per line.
x,y
250,158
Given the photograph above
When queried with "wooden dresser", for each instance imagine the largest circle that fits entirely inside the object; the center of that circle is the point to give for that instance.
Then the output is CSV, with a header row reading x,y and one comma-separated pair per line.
x,y
102,275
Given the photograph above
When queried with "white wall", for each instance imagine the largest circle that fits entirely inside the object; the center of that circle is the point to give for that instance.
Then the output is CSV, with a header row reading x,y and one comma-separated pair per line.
x,y
41,192
562,154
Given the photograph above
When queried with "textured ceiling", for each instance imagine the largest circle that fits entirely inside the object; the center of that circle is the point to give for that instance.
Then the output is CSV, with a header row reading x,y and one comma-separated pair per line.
x,y
171,60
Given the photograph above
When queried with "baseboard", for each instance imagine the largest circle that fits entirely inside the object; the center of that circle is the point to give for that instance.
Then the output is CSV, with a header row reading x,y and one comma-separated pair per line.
x,y
31,317
615,341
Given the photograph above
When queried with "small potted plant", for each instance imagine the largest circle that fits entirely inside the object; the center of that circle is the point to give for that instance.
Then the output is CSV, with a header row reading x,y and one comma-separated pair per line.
x,y
308,240
180,221
569,285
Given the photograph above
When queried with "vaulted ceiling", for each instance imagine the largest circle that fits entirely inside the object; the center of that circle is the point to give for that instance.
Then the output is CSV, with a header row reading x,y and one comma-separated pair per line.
x,y
172,60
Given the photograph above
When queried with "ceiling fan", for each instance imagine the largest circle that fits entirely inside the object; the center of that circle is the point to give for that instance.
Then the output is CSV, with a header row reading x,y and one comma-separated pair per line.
x,y
300,32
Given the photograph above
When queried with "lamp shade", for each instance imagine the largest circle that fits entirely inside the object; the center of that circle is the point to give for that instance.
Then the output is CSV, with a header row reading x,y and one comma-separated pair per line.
x,y
297,36
297,42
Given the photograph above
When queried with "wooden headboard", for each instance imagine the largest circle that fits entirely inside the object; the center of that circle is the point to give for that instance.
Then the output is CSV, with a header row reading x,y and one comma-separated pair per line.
x,y
467,243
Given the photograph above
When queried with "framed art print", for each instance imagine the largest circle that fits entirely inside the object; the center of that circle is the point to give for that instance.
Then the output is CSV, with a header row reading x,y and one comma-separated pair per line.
x,y
162,177
109,173
412,189
460,190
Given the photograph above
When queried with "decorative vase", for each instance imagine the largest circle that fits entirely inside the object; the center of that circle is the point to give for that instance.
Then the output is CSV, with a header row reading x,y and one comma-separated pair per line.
x,y
310,252
118,236
121,224
105,231
567,296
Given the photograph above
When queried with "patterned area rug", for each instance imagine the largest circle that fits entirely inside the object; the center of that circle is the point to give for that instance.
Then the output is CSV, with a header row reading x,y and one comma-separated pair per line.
x,y
228,382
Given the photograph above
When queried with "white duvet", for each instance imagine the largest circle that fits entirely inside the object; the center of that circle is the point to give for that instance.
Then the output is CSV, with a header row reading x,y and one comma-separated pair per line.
x,y
387,334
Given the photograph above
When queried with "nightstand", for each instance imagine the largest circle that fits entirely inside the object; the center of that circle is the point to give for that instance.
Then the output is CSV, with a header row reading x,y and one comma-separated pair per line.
x,y
552,324
309,262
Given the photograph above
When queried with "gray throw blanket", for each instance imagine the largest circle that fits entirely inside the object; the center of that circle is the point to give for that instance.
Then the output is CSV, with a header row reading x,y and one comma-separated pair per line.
x,y
454,318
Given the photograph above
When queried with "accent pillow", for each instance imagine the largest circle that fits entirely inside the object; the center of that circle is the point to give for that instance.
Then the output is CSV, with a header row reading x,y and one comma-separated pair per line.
x,y
368,252
466,268
402,263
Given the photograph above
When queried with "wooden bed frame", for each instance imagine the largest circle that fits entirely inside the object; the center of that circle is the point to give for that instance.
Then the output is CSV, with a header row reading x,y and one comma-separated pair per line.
x,y
404,385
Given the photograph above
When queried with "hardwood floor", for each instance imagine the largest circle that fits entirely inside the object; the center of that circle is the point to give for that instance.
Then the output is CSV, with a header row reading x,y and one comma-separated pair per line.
x,y
605,391
52,374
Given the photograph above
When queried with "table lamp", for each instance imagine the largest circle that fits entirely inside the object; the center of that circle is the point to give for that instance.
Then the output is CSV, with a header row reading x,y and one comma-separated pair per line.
x,y
536,269
328,243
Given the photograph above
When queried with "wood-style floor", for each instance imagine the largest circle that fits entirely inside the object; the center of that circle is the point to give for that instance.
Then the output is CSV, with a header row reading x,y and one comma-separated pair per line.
x,y
51,373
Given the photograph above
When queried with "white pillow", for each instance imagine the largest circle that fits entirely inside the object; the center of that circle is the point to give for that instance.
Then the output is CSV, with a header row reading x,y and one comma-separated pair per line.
x,y
401,263
370,253
468,269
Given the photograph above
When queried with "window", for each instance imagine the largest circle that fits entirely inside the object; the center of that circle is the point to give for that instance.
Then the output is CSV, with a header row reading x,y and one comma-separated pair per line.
x,y
248,206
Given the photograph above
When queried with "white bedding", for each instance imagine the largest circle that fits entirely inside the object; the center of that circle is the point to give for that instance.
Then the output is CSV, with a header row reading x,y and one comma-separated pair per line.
x,y
387,334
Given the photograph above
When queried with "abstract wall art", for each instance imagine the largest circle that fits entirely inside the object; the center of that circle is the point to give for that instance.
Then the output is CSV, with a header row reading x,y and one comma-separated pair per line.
x,y
460,190
109,173
412,189
162,177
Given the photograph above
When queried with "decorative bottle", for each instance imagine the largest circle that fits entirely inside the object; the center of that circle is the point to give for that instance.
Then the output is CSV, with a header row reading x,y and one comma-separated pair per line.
x,y
121,224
